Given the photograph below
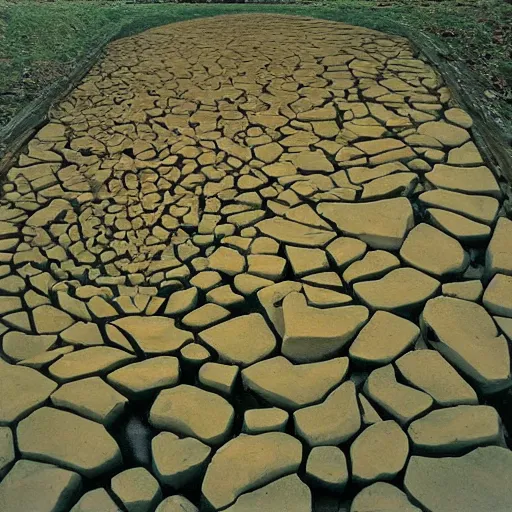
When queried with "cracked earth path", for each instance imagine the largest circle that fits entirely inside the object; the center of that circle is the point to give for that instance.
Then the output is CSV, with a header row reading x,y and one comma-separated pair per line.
x,y
255,263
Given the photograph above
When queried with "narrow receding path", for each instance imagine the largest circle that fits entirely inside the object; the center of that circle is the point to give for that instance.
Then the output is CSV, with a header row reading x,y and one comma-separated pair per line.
x,y
255,263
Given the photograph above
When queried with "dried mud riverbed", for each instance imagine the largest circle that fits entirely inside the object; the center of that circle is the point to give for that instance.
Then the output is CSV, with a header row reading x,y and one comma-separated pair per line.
x,y
253,263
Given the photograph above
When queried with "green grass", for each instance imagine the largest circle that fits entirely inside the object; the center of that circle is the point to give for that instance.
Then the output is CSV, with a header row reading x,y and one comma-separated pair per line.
x,y
40,41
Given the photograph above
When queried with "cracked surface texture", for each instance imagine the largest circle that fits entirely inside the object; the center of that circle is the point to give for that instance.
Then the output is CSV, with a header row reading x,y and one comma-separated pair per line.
x,y
245,254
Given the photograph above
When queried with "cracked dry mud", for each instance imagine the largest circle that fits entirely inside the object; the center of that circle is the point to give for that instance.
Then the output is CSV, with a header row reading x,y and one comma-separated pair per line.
x,y
255,263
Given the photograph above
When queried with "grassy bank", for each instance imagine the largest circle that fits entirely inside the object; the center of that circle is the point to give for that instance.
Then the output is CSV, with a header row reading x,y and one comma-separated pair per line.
x,y
40,40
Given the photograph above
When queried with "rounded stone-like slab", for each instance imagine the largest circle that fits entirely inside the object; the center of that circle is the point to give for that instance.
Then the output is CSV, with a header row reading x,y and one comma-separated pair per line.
x,y
89,361
292,386
382,496
44,359
243,340
373,265
456,429
96,500
204,317
248,462
218,377
467,154
19,345
18,320
265,245
379,452
312,162
35,486
360,175
459,117
92,398
227,261
479,208
191,411
497,256
470,180
137,489
247,284
50,320
383,339
497,298
374,147
429,371
177,462
268,153
404,403
257,421
23,390
181,302
312,334
306,261
14,285
467,290
328,280
465,334
465,230
381,224
205,281
397,184
279,169
138,379
344,250
323,298
82,333
287,493
421,250
291,232
194,355
332,422
154,334
7,230
267,266
224,296
446,133
68,440
475,482
401,289
326,468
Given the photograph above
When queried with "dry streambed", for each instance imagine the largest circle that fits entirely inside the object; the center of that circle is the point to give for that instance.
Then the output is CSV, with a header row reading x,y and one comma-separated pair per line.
x,y
255,263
